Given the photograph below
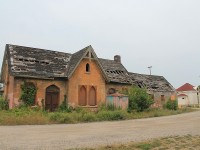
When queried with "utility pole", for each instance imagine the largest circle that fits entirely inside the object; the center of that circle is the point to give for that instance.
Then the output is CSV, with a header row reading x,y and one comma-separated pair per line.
x,y
198,95
150,69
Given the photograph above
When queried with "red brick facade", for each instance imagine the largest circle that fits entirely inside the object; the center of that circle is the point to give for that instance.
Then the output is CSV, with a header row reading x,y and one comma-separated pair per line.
x,y
80,77
70,88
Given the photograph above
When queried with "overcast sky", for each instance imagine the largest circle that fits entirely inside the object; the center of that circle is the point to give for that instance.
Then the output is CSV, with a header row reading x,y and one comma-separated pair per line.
x,y
164,34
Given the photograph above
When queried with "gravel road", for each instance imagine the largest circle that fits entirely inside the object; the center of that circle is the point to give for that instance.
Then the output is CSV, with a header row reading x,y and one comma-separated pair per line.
x,y
58,137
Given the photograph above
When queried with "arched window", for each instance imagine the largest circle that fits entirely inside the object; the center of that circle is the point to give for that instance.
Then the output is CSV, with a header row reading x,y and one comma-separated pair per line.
x,y
87,67
92,96
111,91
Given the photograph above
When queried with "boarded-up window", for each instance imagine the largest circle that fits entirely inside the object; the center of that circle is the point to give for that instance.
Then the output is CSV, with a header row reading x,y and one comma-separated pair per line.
x,y
162,97
92,96
82,96
111,91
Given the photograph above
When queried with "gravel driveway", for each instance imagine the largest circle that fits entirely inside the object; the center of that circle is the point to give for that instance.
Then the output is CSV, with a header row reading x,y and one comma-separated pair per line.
x,y
58,137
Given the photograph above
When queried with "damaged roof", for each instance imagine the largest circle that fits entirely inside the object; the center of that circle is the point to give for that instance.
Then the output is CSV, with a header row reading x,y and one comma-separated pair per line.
x,y
151,82
35,62
40,63
115,71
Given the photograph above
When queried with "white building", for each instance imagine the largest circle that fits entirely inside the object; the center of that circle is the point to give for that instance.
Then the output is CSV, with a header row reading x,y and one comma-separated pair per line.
x,y
187,95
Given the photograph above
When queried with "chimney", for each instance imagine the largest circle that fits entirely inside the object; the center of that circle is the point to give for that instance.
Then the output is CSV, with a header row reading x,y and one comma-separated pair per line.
x,y
117,58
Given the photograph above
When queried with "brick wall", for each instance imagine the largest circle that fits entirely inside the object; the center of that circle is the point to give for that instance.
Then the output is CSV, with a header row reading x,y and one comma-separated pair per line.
x,y
41,86
117,87
88,79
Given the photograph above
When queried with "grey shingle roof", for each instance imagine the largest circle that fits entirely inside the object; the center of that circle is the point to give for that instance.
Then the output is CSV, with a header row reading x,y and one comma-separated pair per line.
x,y
115,72
41,63
75,60
34,62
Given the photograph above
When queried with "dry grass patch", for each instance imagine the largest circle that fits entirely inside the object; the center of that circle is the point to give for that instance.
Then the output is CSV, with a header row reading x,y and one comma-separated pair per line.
x,y
23,117
168,143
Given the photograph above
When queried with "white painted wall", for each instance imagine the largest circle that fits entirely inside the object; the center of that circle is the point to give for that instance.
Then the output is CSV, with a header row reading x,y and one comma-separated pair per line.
x,y
191,97
183,101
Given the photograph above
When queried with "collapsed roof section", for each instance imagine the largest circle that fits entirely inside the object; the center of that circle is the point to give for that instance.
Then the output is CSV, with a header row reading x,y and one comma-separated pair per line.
x,y
115,71
151,82
47,64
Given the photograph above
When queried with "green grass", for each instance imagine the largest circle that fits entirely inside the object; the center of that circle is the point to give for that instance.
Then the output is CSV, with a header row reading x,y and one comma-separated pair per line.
x,y
27,116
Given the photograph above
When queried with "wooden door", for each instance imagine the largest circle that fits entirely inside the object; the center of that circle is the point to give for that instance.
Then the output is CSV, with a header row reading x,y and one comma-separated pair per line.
x,y
52,98
51,101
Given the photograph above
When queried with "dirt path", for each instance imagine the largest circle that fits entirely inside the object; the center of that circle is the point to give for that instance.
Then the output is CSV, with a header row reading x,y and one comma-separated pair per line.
x,y
93,134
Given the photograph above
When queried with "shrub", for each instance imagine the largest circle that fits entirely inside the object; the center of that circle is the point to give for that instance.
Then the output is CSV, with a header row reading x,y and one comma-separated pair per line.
x,y
28,93
3,104
64,107
172,104
112,115
139,99
89,117
59,117
109,107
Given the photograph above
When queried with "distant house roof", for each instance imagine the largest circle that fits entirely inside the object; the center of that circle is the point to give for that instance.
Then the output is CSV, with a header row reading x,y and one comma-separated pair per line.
x,y
182,95
186,87
40,63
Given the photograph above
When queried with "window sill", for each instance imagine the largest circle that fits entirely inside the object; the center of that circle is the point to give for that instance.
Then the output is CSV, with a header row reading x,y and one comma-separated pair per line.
x,y
87,106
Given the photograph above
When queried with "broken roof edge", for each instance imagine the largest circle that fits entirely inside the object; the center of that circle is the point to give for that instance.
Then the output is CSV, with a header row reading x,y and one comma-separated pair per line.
x,y
130,73
39,77
114,62
3,64
38,48
173,89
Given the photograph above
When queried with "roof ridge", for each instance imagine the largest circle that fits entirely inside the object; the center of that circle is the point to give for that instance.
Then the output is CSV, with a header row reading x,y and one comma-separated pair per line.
x,y
186,87
38,48
145,74
85,48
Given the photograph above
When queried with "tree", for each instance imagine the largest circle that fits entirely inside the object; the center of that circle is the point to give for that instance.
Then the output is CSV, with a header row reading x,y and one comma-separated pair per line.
x,y
139,99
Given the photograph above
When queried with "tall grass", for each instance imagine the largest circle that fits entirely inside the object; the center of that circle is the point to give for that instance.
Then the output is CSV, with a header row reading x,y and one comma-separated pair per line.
x,y
23,117
28,116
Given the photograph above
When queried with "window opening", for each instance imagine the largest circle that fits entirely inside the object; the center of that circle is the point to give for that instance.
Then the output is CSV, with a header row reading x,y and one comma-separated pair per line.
x,y
87,67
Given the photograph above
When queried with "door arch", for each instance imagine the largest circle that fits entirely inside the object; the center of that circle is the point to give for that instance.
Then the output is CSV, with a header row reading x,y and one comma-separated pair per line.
x,y
52,98
92,96
82,96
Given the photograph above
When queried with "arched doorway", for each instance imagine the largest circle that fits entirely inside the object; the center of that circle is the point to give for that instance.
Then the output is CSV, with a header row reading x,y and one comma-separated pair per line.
x,y
92,96
82,96
52,98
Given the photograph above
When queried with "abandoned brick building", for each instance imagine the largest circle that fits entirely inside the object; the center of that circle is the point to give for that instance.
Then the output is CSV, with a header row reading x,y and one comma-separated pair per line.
x,y
82,77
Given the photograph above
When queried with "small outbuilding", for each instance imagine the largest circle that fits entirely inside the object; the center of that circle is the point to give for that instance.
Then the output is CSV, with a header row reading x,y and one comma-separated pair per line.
x,y
187,95
117,100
